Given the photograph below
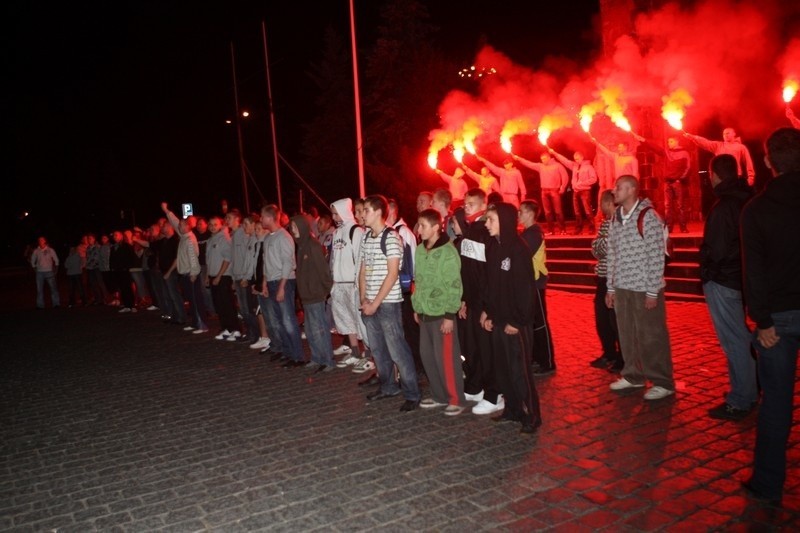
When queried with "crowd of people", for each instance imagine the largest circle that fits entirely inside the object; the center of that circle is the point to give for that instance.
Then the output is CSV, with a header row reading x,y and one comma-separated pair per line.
x,y
459,298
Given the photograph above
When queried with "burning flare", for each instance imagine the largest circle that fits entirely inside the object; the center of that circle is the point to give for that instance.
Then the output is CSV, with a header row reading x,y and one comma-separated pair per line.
x,y
790,88
439,140
513,127
674,108
615,107
588,111
549,123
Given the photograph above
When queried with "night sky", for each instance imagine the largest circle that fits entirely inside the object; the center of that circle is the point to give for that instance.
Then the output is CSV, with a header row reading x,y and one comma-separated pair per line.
x,y
120,105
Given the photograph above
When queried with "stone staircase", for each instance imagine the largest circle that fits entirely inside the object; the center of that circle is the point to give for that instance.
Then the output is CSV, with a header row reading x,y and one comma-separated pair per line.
x,y
571,265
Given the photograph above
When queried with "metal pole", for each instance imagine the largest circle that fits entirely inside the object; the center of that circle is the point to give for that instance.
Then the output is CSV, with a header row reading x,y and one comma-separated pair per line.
x,y
239,133
272,118
359,144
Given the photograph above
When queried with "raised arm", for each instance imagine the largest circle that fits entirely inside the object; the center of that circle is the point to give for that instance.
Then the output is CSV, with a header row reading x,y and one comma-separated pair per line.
x,y
494,168
702,142
561,159
602,148
530,164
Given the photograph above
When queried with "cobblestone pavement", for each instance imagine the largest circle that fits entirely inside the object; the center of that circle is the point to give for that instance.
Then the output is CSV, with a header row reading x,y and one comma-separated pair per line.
x,y
121,423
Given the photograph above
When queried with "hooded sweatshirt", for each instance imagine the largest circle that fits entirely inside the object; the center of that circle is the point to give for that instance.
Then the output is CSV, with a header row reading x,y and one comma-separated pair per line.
x,y
474,248
771,249
437,293
720,253
636,262
313,275
345,250
509,274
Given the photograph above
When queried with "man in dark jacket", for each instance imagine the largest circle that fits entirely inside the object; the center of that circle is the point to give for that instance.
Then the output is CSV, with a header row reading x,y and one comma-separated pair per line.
x,y
721,274
314,284
771,248
509,316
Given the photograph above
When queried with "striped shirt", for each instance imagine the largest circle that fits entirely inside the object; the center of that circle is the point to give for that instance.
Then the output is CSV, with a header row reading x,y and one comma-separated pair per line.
x,y
376,264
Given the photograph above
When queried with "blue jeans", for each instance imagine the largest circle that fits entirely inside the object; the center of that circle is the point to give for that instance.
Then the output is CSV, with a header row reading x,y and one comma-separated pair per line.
x,y
286,319
389,348
271,321
777,368
50,278
173,293
318,333
727,314
194,293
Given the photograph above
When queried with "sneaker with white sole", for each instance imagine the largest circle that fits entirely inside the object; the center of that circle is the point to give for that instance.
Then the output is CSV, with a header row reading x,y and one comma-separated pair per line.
x,y
152,308
622,384
453,410
347,361
235,335
363,365
124,310
474,397
188,328
485,407
199,331
262,342
223,335
430,403
657,393
342,350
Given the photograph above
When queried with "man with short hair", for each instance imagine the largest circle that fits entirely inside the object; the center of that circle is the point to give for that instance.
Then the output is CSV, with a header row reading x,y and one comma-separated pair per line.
x,y
219,252
676,176
442,200
730,144
636,284
485,180
240,268
280,285
771,249
512,186
721,274
584,177
553,180
381,301
455,183
45,262
187,264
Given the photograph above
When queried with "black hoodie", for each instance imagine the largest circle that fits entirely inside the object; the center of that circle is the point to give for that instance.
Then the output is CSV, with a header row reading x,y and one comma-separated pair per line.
x,y
771,249
720,253
510,274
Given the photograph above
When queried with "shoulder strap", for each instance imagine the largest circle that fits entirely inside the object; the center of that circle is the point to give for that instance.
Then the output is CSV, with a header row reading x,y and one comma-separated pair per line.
x,y
352,231
384,234
640,220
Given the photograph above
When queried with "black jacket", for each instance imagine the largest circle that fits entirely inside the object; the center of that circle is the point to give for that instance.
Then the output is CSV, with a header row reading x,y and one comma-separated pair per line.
x,y
720,253
510,274
474,249
771,249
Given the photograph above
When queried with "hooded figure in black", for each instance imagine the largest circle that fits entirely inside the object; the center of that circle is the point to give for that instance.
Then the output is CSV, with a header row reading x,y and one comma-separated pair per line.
x,y
509,316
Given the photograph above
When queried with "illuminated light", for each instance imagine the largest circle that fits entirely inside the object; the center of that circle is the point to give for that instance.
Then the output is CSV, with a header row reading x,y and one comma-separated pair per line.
x,y
514,126
477,72
433,160
505,143
551,122
229,121
674,108
587,113
458,154
790,88
245,114
615,107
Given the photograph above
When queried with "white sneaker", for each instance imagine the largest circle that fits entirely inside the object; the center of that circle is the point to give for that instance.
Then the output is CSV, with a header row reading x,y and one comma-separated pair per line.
x,y
124,310
222,336
233,336
188,328
657,393
453,410
262,342
430,403
363,365
485,407
622,384
342,350
152,308
347,361
474,397
199,331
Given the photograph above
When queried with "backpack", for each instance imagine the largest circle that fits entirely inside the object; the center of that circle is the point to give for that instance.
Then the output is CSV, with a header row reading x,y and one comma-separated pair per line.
x,y
668,245
407,263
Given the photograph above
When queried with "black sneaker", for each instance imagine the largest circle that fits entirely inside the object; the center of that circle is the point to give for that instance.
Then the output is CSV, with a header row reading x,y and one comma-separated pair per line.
x,y
726,411
601,362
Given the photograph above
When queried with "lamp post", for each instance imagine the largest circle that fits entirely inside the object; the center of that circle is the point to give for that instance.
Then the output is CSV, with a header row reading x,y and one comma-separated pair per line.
x,y
246,197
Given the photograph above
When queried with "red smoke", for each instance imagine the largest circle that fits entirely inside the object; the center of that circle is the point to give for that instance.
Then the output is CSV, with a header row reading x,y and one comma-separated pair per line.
x,y
728,55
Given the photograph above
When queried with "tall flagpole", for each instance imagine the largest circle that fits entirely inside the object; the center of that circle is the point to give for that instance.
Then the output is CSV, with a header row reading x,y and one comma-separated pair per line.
x,y
359,143
239,133
272,118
